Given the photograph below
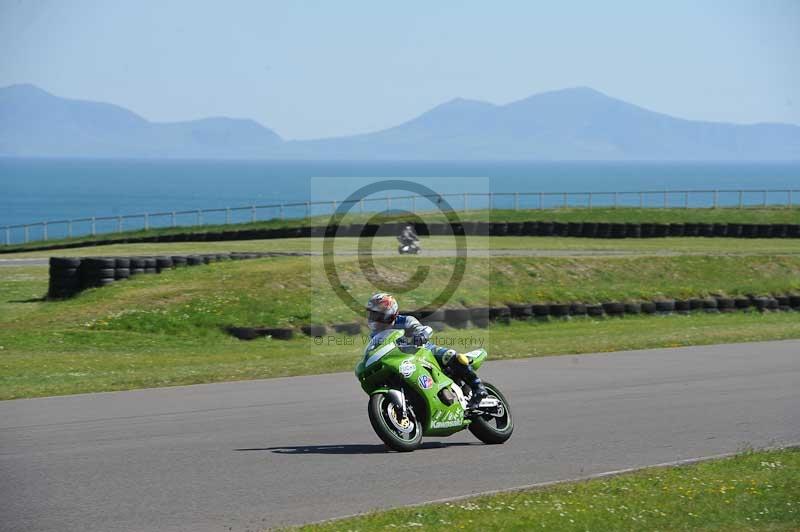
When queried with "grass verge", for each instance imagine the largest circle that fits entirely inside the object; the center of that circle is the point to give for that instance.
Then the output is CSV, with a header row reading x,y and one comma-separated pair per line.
x,y
751,491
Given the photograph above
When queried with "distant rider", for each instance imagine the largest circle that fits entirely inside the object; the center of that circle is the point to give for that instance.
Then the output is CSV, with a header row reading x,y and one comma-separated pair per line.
x,y
383,316
408,235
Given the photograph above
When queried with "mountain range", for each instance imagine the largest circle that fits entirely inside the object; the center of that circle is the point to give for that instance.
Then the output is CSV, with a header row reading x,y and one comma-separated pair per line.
x,y
569,124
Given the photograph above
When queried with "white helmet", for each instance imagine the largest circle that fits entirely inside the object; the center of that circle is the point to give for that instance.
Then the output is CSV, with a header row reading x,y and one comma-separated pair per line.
x,y
381,310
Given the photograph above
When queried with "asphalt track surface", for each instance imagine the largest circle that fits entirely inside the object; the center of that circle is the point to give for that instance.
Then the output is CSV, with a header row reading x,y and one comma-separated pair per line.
x,y
256,454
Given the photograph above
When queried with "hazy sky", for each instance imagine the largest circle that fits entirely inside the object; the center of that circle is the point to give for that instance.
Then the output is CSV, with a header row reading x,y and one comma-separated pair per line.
x,y
315,69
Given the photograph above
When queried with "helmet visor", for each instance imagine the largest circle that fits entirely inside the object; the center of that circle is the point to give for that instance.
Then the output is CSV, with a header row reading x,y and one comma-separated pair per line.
x,y
380,317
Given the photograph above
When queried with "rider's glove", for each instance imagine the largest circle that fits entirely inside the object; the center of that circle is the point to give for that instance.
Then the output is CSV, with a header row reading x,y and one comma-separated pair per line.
x,y
422,335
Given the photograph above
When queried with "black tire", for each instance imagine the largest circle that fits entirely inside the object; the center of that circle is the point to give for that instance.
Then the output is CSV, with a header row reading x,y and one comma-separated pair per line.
x,y
314,330
276,333
682,305
501,314
122,262
559,309
742,302
726,304
163,263
530,229
137,271
733,231
660,230
560,229
493,430
98,274
540,310
648,307
595,311
577,309
382,424
520,312
574,229
544,229
138,263
614,308
122,273
676,230
64,262
457,317
66,273
720,230
665,306
633,308
589,230
514,229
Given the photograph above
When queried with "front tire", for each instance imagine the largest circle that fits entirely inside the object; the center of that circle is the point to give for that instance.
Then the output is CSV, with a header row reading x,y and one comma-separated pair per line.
x,y
399,434
494,429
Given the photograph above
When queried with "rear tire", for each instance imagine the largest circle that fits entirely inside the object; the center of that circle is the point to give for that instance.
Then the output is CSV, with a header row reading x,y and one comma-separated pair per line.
x,y
380,416
491,429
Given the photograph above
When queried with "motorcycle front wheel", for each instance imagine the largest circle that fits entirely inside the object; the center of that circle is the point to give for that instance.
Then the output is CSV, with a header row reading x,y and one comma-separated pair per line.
x,y
398,432
495,427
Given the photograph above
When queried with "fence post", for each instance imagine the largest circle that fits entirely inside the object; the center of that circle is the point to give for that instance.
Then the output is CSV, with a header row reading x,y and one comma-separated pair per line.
x,y
566,200
388,203
146,221
413,204
252,213
641,200
790,198
119,224
590,200
199,217
490,202
516,201
44,230
465,201
541,201
69,229
308,209
227,215
616,199
172,218
8,235
716,198
740,199
685,199
764,198
333,204
361,205
280,210
26,234
94,227
666,201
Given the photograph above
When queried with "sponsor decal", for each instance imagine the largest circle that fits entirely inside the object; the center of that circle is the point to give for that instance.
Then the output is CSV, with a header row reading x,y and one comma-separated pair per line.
x,y
452,419
407,368
425,382
446,424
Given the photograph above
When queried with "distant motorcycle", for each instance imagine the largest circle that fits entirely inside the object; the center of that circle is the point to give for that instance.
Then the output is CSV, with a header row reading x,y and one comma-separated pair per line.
x,y
409,241
410,248
410,396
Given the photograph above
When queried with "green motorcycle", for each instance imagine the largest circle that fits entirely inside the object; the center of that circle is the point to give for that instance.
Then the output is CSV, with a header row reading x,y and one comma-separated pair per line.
x,y
411,397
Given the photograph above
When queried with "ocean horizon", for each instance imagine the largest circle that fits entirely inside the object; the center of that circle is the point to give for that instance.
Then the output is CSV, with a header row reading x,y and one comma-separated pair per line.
x,y
42,189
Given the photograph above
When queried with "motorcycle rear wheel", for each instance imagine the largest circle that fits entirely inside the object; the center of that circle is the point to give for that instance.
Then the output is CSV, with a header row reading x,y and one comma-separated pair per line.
x,y
492,429
399,434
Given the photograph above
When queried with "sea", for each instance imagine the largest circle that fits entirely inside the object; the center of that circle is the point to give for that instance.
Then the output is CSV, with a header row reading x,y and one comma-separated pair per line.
x,y
53,190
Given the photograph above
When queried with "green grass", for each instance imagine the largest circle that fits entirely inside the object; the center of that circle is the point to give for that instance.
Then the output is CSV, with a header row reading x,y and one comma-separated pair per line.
x,y
751,491
604,214
550,245
166,330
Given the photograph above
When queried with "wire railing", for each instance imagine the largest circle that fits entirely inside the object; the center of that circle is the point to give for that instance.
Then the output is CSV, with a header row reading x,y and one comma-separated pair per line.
x,y
95,225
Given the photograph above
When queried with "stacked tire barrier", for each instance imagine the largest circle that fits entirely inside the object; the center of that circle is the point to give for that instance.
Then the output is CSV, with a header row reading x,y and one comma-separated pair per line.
x,y
483,316
71,275
530,228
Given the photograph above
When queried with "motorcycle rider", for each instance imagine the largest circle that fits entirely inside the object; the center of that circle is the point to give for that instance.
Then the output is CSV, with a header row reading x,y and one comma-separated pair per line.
x,y
383,316
408,236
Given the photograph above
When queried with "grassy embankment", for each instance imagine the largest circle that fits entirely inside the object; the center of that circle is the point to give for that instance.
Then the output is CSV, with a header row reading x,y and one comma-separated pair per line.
x,y
752,491
167,329
776,215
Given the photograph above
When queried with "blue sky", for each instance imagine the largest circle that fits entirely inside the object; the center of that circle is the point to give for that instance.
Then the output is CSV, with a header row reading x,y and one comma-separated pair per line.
x,y
316,69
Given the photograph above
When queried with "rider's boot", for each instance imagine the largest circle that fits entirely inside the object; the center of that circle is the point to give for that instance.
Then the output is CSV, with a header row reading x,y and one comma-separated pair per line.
x,y
460,367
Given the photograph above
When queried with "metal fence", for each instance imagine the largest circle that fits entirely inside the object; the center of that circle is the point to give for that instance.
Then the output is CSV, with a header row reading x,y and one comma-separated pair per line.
x,y
739,198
